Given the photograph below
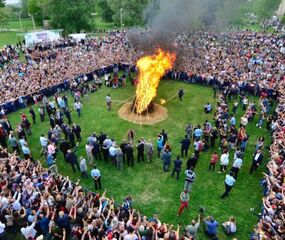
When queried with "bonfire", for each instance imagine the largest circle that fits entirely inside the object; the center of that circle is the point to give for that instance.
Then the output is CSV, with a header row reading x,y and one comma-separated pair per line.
x,y
151,69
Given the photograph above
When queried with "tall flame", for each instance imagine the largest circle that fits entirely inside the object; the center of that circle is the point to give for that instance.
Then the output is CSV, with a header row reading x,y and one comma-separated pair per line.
x,y
151,69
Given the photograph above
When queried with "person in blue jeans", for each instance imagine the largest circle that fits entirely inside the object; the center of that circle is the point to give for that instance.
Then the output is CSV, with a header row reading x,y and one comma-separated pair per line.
x,y
211,227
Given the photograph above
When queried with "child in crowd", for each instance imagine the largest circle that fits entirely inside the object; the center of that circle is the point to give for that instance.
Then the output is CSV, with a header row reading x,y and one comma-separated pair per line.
x,y
214,160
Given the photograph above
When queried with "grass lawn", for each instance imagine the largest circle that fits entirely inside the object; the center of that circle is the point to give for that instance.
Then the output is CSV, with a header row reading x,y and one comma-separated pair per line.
x,y
9,38
27,24
152,189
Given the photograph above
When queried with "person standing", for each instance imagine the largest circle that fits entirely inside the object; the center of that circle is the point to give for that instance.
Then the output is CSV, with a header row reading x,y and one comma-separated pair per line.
x,y
33,114
236,167
71,137
149,150
96,175
257,159
129,154
177,167
76,129
44,143
89,150
64,146
190,177
229,183
83,167
192,229
140,149
230,226
211,227
214,160
192,161
131,135
42,113
185,144
166,159
184,202
71,157
159,144
119,158
78,106
67,113
26,151
224,161
165,136
14,143
108,100
180,94
27,125
123,148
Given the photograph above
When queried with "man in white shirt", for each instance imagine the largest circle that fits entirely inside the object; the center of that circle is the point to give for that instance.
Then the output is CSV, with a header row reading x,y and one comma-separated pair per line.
x,y
108,102
96,175
44,143
78,106
29,231
229,183
236,166
257,159
112,152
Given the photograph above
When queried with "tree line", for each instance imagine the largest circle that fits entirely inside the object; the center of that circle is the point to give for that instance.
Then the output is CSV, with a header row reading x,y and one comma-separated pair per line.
x,y
81,15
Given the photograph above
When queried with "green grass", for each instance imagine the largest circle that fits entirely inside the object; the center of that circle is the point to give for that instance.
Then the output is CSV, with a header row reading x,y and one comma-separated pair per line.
x,y
9,38
100,24
27,24
152,189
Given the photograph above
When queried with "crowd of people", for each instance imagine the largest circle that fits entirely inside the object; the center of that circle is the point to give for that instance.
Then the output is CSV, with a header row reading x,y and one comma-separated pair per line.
x,y
8,54
233,63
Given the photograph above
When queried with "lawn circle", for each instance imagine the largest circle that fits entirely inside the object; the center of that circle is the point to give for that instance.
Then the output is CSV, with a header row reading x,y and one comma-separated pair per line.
x,y
158,115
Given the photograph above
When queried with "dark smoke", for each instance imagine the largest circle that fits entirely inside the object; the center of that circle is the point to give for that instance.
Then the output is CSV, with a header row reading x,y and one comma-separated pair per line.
x,y
167,18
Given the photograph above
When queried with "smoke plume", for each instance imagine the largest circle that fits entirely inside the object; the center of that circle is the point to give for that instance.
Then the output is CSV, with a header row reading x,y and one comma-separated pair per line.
x,y
167,18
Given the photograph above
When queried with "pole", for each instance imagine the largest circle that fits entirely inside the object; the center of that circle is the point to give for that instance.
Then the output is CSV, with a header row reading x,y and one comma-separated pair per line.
x,y
33,21
20,21
121,18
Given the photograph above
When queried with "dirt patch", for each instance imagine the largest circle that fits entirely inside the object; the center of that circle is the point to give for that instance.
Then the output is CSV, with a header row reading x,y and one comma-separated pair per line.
x,y
158,115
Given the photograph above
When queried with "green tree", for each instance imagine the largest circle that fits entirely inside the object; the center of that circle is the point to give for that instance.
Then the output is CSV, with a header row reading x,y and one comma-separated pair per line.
x,y
2,3
105,10
3,18
72,15
24,7
265,8
132,11
34,8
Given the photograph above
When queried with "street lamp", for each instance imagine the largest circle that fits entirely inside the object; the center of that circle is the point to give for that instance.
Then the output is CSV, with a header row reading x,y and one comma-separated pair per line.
x,y
20,21
33,21
121,18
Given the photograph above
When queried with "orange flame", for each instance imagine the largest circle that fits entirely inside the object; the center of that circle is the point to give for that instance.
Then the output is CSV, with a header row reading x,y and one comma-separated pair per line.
x,y
151,69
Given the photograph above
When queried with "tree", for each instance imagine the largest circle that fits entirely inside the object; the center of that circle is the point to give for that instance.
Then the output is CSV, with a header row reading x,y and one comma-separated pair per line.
x,y
106,11
72,15
132,11
2,3
3,18
24,7
35,10
265,8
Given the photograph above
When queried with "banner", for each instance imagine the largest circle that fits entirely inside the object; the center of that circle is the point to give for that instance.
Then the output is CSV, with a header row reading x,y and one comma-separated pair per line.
x,y
38,37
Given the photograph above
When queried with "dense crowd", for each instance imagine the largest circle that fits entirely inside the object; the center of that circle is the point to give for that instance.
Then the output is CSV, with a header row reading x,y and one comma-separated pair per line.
x,y
8,54
234,63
